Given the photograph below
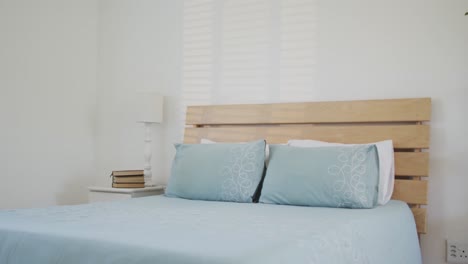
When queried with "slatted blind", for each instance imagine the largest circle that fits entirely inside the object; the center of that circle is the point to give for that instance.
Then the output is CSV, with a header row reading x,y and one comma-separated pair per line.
x,y
247,51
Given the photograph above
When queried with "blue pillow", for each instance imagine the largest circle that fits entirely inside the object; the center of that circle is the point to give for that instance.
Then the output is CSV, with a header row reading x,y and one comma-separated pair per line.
x,y
217,172
342,176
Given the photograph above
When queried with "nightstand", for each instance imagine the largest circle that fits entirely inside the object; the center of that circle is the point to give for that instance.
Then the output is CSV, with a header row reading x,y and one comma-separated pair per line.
x,y
104,194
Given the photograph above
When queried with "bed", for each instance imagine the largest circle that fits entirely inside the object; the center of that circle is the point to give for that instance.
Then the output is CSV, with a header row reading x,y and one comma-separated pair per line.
x,y
161,229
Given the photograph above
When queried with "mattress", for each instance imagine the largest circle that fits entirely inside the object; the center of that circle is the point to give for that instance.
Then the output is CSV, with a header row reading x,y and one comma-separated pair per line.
x,y
160,229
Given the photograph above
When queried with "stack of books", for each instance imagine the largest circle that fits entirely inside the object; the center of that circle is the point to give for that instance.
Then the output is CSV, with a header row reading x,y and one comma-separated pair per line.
x,y
128,179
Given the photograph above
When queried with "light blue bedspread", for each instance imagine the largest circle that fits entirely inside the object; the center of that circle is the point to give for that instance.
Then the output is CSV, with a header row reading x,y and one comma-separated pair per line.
x,y
159,229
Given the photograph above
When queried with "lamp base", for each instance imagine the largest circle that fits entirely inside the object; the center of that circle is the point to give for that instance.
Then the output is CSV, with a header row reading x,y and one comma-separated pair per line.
x,y
149,178
147,154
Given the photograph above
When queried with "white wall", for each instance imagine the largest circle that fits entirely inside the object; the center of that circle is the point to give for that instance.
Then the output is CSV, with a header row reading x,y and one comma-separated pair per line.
x,y
47,101
138,50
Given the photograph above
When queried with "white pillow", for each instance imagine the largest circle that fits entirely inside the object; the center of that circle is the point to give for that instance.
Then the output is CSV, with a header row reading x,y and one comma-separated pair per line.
x,y
386,163
267,148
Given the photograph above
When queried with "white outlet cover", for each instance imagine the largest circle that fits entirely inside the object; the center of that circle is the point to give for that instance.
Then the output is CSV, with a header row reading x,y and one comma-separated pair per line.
x,y
457,252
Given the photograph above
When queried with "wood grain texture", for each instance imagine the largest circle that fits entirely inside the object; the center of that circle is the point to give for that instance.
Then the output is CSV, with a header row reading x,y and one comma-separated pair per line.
x,y
395,110
420,219
412,164
410,191
403,136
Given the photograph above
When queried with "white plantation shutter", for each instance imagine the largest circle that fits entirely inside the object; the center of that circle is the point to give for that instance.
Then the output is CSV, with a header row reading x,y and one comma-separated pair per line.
x,y
298,33
247,51
198,52
244,52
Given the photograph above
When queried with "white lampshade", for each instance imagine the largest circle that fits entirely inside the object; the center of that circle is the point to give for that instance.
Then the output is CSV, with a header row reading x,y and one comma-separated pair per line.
x,y
150,107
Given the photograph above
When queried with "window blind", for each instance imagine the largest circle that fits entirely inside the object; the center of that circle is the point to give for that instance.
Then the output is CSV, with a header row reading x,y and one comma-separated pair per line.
x,y
247,51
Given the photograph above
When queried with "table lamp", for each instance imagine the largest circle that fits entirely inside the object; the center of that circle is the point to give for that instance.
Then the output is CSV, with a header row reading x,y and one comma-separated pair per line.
x,y
150,107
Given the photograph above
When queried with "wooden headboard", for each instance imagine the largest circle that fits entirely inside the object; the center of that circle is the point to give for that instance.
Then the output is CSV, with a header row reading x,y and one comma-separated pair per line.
x,y
405,121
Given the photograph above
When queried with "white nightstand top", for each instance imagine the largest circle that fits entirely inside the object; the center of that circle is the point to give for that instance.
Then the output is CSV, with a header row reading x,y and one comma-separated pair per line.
x,y
125,190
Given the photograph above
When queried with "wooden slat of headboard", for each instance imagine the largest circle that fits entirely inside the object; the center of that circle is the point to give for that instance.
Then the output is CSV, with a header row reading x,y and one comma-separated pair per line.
x,y
412,163
410,191
395,110
420,219
403,136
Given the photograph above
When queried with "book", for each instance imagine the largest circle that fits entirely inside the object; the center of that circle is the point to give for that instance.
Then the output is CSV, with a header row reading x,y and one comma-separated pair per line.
x,y
129,179
127,173
128,185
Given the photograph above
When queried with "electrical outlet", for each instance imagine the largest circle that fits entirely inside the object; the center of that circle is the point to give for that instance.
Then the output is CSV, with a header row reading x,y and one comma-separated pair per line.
x,y
457,252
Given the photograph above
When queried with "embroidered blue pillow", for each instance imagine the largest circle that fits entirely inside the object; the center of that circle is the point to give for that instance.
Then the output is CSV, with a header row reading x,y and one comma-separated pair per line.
x,y
342,176
217,172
